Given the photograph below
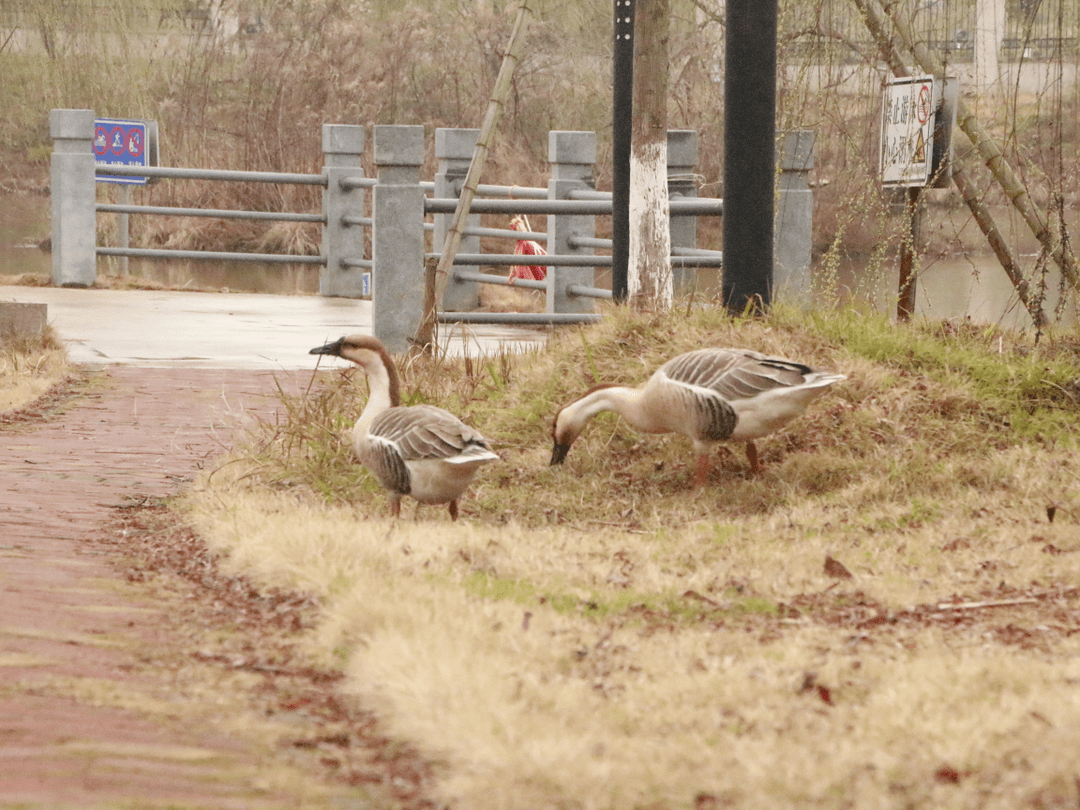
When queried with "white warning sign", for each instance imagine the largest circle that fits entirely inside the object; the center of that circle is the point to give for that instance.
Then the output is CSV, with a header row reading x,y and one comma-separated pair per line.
x,y
907,131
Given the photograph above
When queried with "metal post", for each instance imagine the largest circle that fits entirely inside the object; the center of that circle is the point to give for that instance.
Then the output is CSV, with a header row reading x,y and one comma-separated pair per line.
x,y
795,221
454,151
682,156
909,251
74,219
749,152
397,238
572,156
622,111
124,226
343,149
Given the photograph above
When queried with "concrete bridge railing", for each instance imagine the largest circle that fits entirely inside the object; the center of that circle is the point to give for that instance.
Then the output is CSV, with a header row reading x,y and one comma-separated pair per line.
x,y
409,218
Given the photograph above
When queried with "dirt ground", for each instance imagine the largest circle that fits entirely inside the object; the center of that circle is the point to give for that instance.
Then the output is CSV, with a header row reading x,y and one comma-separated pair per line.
x,y
132,672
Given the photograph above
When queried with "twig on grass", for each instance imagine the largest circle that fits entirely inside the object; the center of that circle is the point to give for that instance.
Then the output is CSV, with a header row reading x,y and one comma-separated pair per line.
x,y
991,603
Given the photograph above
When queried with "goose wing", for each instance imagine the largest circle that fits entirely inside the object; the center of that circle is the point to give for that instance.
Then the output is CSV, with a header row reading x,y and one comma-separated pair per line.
x,y
424,432
734,374
403,436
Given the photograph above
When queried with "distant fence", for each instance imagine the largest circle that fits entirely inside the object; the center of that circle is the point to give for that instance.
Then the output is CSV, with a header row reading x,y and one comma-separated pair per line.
x,y
405,213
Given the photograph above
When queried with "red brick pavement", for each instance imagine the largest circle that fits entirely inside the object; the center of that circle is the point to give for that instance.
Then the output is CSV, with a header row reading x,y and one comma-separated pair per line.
x,y
72,631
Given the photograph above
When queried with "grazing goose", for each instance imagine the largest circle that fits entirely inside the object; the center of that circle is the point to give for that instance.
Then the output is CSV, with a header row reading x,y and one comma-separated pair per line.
x,y
420,450
707,395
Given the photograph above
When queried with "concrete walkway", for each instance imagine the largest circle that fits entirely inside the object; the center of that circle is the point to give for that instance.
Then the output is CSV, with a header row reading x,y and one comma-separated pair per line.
x,y
167,329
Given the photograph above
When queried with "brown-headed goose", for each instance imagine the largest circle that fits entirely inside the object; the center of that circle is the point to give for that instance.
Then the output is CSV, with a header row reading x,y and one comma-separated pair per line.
x,y
707,395
419,450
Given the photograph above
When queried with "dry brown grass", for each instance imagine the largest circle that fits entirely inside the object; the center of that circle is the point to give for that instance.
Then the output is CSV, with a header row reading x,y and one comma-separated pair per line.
x,y
29,367
602,636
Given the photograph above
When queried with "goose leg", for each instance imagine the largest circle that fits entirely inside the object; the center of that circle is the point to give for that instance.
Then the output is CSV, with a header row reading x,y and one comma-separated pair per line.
x,y
752,456
395,508
702,469
453,510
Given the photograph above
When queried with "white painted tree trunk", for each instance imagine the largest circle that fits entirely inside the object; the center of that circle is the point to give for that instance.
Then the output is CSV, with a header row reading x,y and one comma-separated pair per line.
x,y
989,32
649,280
649,277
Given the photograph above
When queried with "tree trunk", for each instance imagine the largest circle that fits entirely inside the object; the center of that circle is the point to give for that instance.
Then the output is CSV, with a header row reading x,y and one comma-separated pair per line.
x,y
649,278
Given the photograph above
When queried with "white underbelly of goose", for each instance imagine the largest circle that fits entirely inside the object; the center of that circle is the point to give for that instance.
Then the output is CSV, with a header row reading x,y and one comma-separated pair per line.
x,y
438,481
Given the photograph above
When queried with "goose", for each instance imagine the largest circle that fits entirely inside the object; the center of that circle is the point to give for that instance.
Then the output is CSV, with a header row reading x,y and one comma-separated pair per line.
x,y
418,450
707,395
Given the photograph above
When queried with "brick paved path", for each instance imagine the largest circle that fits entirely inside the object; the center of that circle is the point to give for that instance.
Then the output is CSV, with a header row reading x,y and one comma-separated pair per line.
x,y
72,631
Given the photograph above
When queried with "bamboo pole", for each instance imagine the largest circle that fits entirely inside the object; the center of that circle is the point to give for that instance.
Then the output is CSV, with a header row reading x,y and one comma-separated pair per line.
x,y
997,242
426,333
875,19
875,16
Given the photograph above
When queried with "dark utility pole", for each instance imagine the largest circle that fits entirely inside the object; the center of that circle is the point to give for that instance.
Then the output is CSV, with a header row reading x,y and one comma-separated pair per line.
x,y
622,112
749,152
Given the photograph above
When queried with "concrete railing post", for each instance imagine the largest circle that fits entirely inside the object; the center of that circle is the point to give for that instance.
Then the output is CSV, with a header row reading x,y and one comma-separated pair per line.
x,y
343,149
572,156
74,218
794,227
454,151
397,236
682,157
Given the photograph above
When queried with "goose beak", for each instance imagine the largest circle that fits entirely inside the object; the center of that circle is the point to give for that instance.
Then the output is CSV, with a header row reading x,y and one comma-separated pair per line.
x,y
558,453
330,348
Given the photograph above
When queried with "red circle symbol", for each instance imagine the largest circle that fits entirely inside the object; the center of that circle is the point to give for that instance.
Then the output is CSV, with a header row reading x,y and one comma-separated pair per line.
x,y
101,141
117,142
923,107
135,143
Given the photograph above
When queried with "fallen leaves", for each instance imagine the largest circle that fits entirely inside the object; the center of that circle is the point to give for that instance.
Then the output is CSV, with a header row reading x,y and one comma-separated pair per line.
x,y
836,569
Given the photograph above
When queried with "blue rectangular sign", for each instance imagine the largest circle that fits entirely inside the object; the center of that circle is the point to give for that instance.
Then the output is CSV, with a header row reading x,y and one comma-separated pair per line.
x,y
120,142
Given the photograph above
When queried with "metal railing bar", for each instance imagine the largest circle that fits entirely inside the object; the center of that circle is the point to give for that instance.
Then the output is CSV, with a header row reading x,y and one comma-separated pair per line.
x,y
715,259
214,174
220,213
513,192
687,206
589,194
485,278
567,260
209,255
582,291
356,181
447,205
507,233
520,317
605,244
363,222
704,206
701,253
364,263
589,242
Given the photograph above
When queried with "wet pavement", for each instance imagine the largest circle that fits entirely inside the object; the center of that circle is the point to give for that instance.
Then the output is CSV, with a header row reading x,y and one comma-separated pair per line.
x,y
171,329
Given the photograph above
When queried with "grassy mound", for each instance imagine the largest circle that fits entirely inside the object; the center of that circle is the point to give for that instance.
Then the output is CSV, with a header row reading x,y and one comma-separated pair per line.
x,y
885,616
